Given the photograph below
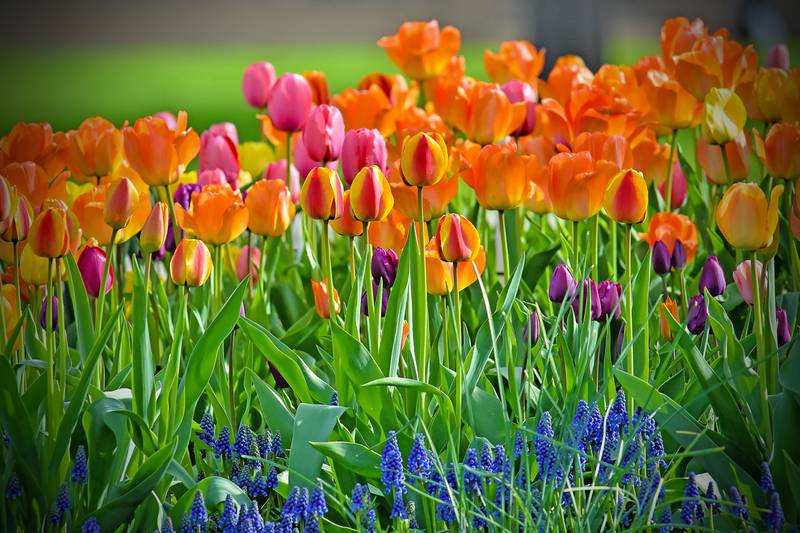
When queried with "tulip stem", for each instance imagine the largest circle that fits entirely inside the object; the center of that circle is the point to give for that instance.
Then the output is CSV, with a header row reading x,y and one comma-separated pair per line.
x,y
668,198
352,263
326,244
758,328
48,326
18,288
613,268
629,297
101,295
504,245
423,356
595,268
62,332
575,247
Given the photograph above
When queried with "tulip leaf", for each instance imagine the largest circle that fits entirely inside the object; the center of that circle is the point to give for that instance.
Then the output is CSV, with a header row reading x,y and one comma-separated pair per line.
x,y
142,355
641,317
312,422
84,325
413,384
277,415
392,334
352,456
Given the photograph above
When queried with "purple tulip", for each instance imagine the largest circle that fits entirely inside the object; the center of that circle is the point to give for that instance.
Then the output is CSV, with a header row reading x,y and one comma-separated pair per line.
x,y
257,83
43,314
290,102
218,150
183,194
660,258
530,332
588,296
91,264
384,266
323,133
384,299
562,284
280,381
778,57
610,294
519,91
712,277
362,147
678,258
698,313
784,331
303,162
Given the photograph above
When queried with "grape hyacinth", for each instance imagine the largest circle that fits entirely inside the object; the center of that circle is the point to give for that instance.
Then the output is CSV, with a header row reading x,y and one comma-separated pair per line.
x,y
691,510
230,516
277,445
79,472
206,430
767,484
198,516
738,506
398,507
334,399
166,526
241,445
419,463
713,502
774,518
392,475
13,489
90,526
61,506
317,506
472,480
222,446
264,442
520,445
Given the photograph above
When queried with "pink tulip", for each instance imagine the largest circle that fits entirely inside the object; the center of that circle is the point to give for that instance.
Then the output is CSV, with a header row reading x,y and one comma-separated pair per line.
x,y
778,56
323,133
218,150
211,177
290,102
362,147
304,163
91,264
743,278
257,83
227,129
241,263
168,118
678,186
519,91
277,171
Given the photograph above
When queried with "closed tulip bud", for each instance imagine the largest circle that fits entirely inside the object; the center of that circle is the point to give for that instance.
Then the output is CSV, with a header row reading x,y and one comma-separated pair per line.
x,y
257,83
43,314
370,195
277,171
121,200
271,208
679,186
773,89
743,278
784,332
519,91
588,297
384,299
92,264
424,159
154,231
19,223
323,133
321,195
346,225
219,150
780,151
778,56
745,219
49,235
362,147
626,197
667,307
290,102
698,314
384,265
724,116
191,263
457,240
678,258
562,284
660,258
321,301
712,277
609,294
8,196
254,255
530,332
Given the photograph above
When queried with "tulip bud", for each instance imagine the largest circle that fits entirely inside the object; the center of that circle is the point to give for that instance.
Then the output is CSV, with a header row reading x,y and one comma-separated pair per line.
x,y
698,313
712,277
241,263
19,223
668,306
8,195
213,176
92,264
277,171
424,159
257,83
519,91
43,314
321,302
121,200
321,195
589,296
362,147
678,258
743,279
304,162
49,234
290,102
626,197
724,116
562,284
778,57
370,195
457,240
384,266
154,231
383,303
609,294
784,332
323,133
679,186
530,332
191,264
219,150
660,258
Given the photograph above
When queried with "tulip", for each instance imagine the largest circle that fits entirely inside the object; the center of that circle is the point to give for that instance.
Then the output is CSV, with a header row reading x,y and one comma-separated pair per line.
x,y
485,114
743,278
588,297
737,157
8,203
660,258
154,231
745,219
519,91
43,314
784,332
678,35
183,194
33,268
290,102
530,332
698,314
384,266
712,277
361,148
321,195
390,232
678,258
778,56
212,177
321,298
11,312
367,108
277,171
772,89
18,224
323,133
320,94
781,150
626,197
435,198
516,60
420,49
191,263
457,240
670,227
95,148
668,306
254,157
91,263
49,235
219,150
577,190
609,294
30,142
303,161
157,152
370,195
91,208
384,299
217,214
670,104
254,256
346,225
424,159
121,201
562,284
257,83
170,119
439,274
679,186
724,116
270,208
501,177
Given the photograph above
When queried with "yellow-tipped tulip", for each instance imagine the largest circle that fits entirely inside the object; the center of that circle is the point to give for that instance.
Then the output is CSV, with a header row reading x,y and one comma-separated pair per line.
x,y
724,116
745,219
121,200
191,263
321,195
626,197
19,223
49,235
370,195
457,239
424,159
154,231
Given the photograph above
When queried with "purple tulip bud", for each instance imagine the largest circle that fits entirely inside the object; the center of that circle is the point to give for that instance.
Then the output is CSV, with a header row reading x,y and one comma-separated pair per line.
x,y
610,294
678,258
562,284
54,322
280,381
661,259
698,313
530,332
712,277
588,296
784,331
384,266
778,57
384,299
183,194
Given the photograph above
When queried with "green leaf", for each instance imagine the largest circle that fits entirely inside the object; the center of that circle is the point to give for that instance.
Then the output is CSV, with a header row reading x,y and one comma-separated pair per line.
x,y
413,384
354,457
538,263
84,324
392,334
277,415
107,445
215,490
312,422
141,354
641,316
352,319
489,420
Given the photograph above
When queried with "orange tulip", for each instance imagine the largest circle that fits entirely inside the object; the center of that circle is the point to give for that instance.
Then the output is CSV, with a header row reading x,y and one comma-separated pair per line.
x,y
568,73
121,201
321,301
650,158
667,306
670,227
670,104
714,61
159,154
346,225
457,240
35,142
371,197
319,87
216,215
516,60
395,87
626,197
678,35
501,177
390,232
575,186
424,159
271,209
190,264
780,152
368,108
30,180
745,219
321,195
89,209
604,147
49,236
95,148
737,153
420,49
154,230
439,274
485,114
